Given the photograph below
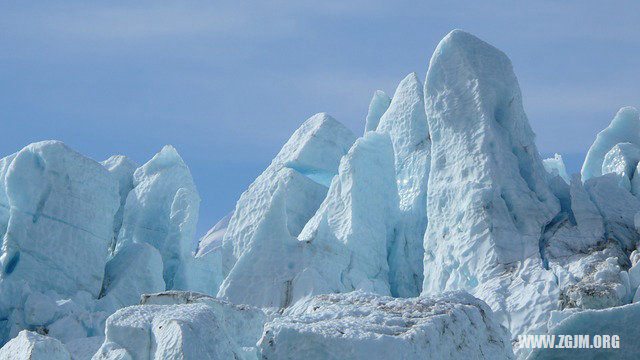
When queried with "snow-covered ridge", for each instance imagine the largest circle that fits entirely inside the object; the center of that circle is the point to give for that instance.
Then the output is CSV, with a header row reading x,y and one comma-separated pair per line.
x,y
438,233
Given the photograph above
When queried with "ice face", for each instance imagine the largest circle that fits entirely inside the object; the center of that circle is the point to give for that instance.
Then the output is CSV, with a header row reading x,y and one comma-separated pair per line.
x,y
625,127
622,160
406,123
379,104
345,243
555,167
488,201
59,208
312,152
29,345
122,168
343,246
162,210
367,326
135,270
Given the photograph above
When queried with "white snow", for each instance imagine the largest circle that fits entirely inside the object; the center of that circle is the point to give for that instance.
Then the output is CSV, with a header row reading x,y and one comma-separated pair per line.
x,y
185,327
359,325
31,346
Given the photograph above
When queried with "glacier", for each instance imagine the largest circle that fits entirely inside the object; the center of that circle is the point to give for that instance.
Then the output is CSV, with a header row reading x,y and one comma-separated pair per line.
x,y
439,232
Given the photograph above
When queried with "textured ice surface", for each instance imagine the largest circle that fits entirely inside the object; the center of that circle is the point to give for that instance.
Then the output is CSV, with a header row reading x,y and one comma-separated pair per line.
x,y
313,152
58,210
625,127
622,160
488,201
379,104
29,345
365,326
555,167
162,210
406,123
620,321
185,327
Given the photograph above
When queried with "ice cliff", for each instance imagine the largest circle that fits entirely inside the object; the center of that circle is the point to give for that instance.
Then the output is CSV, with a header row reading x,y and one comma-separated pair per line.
x,y
439,233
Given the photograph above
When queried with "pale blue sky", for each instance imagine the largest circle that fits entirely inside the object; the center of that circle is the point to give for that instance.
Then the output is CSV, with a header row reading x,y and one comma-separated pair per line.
x,y
227,82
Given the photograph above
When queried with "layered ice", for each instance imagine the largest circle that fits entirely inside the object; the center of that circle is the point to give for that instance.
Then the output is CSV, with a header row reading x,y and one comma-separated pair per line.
x,y
488,200
379,104
58,214
162,210
406,123
359,325
625,127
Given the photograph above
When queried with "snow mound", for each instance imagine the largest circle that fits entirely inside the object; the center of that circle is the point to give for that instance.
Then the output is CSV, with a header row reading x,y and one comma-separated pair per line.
x,y
359,325
186,326
32,346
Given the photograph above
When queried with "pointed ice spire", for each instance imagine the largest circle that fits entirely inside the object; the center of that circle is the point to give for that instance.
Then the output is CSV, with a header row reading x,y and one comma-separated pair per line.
x,y
488,200
625,127
406,123
162,210
304,168
378,105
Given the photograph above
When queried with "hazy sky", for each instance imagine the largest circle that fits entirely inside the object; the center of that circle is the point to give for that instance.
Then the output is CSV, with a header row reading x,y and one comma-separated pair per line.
x,y
227,82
